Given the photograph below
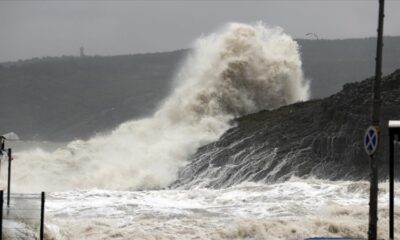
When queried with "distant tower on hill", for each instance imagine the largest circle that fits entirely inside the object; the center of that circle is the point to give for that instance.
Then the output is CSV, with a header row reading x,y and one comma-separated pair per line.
x,y
82,52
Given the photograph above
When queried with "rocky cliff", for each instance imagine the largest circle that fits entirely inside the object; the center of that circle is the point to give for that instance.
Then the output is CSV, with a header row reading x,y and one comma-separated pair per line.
x,y
319,138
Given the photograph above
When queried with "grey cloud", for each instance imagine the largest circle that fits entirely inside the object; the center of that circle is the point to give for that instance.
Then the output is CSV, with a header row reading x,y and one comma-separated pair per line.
x,y
53,28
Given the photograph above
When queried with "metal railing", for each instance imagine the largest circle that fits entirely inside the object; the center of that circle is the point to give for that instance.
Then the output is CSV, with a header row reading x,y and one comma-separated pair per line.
x,y
23,218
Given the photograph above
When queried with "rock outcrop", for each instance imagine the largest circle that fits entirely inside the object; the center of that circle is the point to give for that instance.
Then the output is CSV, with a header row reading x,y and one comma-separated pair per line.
x,y
319,138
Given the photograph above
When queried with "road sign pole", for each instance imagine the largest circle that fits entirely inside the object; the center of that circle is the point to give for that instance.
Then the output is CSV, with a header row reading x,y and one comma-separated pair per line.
x,y
376,108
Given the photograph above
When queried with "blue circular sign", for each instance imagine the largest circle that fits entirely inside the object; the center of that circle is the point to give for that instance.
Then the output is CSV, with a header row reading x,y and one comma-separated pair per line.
x,y
371,140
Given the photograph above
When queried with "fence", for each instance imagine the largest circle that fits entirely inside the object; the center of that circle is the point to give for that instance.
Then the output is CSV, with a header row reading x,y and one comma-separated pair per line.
x,y
22,217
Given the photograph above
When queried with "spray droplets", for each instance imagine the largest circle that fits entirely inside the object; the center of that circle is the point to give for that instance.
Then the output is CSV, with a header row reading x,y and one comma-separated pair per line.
x,y
237,71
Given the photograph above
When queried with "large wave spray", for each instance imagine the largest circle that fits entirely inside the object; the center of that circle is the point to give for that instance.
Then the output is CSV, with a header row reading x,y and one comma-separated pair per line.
x,y
237,71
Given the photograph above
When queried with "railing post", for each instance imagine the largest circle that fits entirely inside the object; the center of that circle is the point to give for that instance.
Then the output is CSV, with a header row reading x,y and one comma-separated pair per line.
x,y
9,153
1,213
391,184
42,217
394,133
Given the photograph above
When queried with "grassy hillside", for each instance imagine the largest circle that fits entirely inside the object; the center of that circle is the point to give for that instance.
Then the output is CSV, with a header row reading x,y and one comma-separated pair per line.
x,y
62,98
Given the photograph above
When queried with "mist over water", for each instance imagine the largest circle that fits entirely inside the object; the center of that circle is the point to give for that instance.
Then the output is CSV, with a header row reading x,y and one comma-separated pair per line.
x,y
238,70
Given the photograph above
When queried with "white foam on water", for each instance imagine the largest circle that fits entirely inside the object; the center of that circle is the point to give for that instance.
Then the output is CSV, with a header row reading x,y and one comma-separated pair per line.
x,y
291,210
239,70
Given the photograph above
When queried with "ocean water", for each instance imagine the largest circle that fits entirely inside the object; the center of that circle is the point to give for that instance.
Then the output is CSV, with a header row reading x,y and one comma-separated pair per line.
x,y
115,186
237,70
295,209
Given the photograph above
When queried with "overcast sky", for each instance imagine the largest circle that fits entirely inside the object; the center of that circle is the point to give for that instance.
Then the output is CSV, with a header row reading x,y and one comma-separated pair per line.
x,y
54,28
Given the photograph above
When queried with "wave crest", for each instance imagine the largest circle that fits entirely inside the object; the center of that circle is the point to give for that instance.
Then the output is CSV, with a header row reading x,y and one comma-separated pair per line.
x,y
239,70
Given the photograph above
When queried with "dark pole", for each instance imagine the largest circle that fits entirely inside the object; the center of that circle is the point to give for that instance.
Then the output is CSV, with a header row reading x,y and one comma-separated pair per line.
x,y
42,217
1,213
376,110
391,184
9,176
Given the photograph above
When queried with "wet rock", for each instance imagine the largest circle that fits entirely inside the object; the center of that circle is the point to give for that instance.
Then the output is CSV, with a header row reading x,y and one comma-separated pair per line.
x,y
319,138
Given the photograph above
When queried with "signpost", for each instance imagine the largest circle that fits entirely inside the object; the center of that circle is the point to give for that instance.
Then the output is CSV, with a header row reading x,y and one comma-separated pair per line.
x,y
376,113
371,140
